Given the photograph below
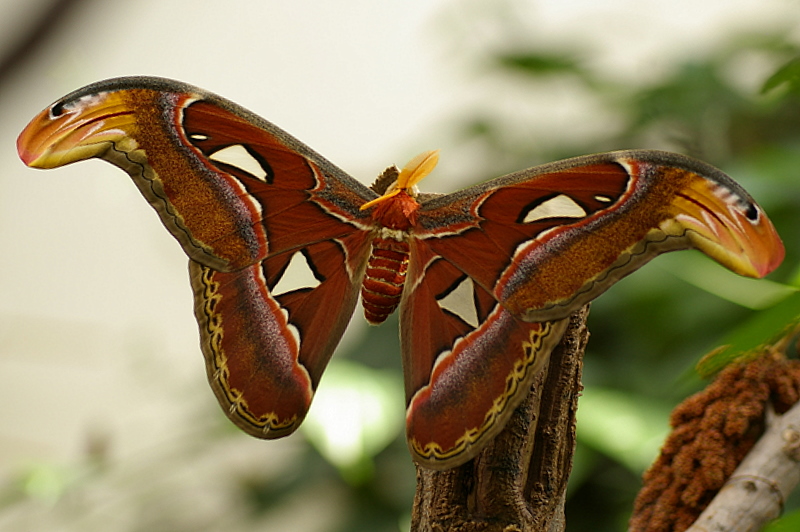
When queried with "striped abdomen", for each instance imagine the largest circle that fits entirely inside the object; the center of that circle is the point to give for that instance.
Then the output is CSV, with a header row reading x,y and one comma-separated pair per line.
x,y
383,283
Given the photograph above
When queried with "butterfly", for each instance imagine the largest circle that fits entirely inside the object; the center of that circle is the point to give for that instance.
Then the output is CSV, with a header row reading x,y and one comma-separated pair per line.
x,y
485,278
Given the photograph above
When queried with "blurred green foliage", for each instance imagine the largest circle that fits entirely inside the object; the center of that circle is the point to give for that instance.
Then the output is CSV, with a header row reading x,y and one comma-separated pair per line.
x,y
788,523
737,108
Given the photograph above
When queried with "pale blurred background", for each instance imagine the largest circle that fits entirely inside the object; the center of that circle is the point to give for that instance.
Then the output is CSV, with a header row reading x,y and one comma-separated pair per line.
x,y
105,408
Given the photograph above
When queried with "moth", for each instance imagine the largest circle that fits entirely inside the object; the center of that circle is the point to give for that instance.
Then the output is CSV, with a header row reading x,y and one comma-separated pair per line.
x,y
485,277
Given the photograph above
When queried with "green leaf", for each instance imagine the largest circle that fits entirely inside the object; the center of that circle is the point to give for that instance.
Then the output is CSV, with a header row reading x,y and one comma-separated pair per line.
x,y
788,74
704,273
764,328
788,523
540,63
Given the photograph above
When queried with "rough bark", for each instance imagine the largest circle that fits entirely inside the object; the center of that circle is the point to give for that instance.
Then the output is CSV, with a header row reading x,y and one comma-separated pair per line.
x,y
518,483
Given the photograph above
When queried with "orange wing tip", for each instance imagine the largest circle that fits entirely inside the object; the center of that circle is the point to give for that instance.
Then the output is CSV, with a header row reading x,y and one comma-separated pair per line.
x,y
63,134
751,257
733,231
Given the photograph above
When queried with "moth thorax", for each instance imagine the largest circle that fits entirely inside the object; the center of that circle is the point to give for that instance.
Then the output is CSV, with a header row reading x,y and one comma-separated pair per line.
x,y
383,283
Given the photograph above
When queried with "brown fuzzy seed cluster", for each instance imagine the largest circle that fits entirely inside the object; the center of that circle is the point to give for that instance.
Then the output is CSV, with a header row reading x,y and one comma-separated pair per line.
x,y
712,432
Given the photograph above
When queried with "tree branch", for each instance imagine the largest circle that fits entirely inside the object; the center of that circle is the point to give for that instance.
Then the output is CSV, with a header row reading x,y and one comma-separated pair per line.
x,y
728,454
755,493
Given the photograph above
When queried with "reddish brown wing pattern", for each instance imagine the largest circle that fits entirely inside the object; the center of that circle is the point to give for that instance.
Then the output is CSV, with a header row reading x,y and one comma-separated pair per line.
x,y
492,271
468,363
265,351
175,141
573,228
544,242
243,198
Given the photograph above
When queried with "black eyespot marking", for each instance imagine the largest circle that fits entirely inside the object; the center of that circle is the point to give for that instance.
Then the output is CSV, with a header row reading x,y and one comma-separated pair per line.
x,y
751,212
57,109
